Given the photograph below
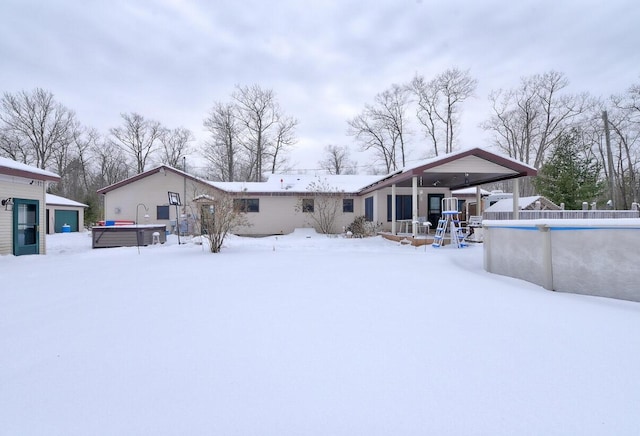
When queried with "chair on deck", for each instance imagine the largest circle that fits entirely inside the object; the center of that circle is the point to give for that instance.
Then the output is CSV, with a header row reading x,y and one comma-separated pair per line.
x,y
474,228
422,224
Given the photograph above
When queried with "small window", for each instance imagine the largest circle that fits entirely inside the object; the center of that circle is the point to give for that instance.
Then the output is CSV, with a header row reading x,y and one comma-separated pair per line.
x,y
162,212
247,204
347,205
307,205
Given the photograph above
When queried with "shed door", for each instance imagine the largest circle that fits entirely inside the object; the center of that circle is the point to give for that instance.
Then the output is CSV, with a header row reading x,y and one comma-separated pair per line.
x,y
26,229
63,217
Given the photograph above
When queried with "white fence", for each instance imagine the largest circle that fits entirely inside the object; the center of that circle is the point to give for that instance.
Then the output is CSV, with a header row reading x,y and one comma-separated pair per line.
x,y
593,257
563,214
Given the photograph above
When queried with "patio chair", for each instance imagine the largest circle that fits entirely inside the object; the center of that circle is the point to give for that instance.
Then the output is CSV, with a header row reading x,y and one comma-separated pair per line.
x,y
422,224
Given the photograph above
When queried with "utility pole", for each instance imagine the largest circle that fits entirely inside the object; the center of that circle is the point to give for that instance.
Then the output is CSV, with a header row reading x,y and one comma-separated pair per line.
x,y
184,194
607,137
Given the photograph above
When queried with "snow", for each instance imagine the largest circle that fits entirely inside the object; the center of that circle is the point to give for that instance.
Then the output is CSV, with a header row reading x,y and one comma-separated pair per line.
x,y
14,165
506,204
62,201
470,191
304,335
300,183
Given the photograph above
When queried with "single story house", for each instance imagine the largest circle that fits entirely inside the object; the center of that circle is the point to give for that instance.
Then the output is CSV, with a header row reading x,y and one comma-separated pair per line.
x,y
63,212
23,220
282,202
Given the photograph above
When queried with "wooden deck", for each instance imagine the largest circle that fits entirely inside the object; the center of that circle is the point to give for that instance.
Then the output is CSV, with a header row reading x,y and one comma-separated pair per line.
x,y
407,238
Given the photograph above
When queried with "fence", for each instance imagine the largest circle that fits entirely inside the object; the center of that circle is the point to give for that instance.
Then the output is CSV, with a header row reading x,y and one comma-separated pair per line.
x,y
563,214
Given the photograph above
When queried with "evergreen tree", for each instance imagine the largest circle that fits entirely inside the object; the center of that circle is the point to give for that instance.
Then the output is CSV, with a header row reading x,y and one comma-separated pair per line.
x,y
571,175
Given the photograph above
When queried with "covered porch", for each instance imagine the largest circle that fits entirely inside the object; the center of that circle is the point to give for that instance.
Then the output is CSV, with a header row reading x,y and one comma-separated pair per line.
x,y
432,180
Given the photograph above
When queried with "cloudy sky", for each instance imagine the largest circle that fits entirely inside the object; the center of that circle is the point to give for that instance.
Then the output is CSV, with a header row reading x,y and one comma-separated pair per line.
x,y
169,60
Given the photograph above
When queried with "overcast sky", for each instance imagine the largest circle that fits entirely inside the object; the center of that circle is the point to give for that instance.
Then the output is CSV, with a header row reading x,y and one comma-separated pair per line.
x,y
169,60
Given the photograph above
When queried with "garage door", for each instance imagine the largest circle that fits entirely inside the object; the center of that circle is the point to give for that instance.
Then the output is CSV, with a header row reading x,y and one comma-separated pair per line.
x,y
69,217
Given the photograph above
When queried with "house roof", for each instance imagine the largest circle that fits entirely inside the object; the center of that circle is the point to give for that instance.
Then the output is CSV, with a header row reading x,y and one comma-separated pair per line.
x,y
465,168
524,203
12,168
458,170
147,174
290,184
56,200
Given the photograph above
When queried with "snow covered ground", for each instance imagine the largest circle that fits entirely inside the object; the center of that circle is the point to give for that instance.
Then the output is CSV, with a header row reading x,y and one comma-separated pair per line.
x,y
304,335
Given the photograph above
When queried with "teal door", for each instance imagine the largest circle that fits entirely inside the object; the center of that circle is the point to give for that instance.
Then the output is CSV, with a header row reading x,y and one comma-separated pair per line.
x,y
26,231
68,217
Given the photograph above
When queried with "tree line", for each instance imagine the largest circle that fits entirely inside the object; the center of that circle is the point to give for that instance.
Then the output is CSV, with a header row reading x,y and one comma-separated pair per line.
x,y
250,135
535,122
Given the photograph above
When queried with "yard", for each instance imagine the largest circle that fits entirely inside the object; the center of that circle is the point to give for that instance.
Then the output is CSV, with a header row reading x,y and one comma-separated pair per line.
x,y
304,335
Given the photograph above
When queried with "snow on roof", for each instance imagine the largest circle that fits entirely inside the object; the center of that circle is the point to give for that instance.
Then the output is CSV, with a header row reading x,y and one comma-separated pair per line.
x,y
62,201
506,204
454,154
300,183
469,191
11,164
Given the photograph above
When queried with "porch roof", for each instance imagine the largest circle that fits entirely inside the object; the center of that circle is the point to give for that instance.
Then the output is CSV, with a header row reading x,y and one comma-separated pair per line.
x,y
457,170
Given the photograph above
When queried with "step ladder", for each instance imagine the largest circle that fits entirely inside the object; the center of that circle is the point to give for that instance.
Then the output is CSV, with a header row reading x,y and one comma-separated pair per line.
x,y
450,219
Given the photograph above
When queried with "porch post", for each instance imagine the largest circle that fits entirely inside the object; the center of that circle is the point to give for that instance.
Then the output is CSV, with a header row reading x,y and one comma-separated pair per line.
x,y
393,209
478,200
516,199
414,204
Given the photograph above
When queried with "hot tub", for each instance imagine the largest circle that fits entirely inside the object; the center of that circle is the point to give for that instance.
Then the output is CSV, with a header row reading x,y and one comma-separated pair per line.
x,y
127,236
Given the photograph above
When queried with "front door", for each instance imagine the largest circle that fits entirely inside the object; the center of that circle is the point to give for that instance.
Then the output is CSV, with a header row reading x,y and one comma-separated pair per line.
x,y
26,229
434,211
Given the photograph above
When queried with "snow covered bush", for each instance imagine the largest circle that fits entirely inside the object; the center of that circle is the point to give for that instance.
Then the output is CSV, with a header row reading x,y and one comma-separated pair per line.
x,y
361,228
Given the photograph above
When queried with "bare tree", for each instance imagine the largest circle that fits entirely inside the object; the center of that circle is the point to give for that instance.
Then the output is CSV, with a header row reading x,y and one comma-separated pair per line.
x,y
284,139
336,160
372,136
390,108
138,137
527,120
222,149
322,204
258,113
624,123
219,216
381,128
439,103
174,145
110,163
34,128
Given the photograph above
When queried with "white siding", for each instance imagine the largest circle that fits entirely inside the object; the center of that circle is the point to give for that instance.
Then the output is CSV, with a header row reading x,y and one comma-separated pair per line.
x,y
278,215
471,164
151,191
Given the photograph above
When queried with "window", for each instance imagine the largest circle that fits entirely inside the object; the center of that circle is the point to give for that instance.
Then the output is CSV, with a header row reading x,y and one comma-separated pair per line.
x,y
347,205
368,209
307,205
162,212
247,204
404,209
